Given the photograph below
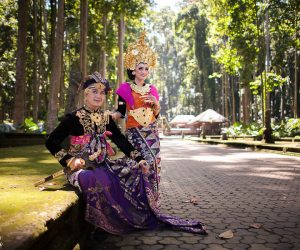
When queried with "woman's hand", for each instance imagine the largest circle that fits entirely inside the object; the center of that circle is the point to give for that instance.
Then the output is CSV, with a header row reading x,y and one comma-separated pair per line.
x,y
144,166
149,99
76,163
115,115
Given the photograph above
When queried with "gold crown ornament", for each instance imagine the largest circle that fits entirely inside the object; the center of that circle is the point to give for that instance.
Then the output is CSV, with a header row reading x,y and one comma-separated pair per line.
x,y
95,80
139,52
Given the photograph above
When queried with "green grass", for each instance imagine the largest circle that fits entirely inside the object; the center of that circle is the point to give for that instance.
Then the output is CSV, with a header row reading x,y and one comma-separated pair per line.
x,y
23,207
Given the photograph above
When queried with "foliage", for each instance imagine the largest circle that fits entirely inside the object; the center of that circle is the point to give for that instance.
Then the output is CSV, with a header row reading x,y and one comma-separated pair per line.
x,y
6,127
200,47
31,127
272,80
292,127
241,129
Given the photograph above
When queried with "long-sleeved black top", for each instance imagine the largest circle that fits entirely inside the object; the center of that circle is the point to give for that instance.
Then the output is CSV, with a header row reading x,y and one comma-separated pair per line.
x,y
81,122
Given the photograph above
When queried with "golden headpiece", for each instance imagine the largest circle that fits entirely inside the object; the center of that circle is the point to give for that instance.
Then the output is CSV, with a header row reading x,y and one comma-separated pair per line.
x,y
139,52
97,81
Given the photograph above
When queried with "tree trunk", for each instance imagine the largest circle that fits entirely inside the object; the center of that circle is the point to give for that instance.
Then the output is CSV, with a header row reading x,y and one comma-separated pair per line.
x,y
56,69
19,101
53,16
83,43
121,32
62,82
296,89
36,82
233,99
246,104
102,62
267,135
226,96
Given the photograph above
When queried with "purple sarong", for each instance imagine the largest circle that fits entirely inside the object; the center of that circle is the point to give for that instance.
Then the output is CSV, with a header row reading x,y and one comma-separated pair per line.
x,y
120,196
119,199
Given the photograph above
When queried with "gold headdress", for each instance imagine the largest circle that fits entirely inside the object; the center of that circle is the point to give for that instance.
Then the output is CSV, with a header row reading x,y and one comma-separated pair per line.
x,y
95,80
139,52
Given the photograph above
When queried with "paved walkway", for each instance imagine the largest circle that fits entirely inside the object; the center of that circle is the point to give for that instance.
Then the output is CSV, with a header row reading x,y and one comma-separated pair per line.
x,y
234,189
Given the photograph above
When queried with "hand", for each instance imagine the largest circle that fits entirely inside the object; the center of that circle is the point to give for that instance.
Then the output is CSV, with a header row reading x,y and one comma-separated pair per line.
x,y
115,115
76,164
149,99
144,166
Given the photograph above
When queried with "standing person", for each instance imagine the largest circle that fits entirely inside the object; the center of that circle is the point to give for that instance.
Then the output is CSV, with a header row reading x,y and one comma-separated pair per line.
x,y
117,193
139,103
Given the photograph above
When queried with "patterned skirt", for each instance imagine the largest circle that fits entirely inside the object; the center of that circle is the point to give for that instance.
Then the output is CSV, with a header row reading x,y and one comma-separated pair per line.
x,y
120,199
146,141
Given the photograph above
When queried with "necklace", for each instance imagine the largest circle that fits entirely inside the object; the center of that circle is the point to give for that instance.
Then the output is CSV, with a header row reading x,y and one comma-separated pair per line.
x,y
140,89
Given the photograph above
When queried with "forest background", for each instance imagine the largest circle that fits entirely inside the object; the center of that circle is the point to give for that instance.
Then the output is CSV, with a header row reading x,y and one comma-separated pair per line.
x,y
240,58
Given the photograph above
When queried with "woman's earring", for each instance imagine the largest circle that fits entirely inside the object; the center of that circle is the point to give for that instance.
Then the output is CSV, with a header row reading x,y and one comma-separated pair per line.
x,y
133,73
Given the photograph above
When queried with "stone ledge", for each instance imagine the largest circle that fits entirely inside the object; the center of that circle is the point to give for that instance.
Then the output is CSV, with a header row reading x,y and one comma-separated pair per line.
x,y
253,145
21,139
61,231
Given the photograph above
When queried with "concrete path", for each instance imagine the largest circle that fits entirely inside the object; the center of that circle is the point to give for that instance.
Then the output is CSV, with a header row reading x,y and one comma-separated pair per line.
x,y
235,189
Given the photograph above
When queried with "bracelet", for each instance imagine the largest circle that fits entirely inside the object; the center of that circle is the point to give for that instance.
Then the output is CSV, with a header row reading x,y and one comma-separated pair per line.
x,y
143,162
70,161
156,109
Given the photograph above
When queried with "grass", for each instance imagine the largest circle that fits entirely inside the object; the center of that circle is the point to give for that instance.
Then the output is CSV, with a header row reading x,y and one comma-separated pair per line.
x,y
23,207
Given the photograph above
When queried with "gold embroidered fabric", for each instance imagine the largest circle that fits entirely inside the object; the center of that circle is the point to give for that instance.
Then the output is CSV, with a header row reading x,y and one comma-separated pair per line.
x,y
134,154
142,115
142,90
88,119
60,154
139,52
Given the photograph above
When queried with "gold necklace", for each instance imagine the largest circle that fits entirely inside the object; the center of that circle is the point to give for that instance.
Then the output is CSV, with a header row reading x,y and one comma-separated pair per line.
x,y
140,89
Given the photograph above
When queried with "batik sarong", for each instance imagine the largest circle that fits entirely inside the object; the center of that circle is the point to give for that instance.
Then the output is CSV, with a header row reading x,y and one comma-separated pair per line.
x,y
120,198
146,141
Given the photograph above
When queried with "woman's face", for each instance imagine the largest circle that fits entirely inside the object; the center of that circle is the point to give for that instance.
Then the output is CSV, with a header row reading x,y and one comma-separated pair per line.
x,y
94,96
141,72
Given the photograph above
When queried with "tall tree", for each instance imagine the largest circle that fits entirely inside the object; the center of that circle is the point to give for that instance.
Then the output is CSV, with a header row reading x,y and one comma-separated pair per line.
x,y
83,42
36,45
19,103
267,102
56,69
120,64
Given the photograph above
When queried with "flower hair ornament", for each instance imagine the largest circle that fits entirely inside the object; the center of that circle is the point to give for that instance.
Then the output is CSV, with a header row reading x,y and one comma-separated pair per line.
x,y
139,52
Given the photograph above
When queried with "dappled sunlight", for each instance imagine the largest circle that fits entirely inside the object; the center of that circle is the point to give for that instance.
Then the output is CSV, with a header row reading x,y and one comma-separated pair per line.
x,y
14,160
216,158
231,166
48,161
277,175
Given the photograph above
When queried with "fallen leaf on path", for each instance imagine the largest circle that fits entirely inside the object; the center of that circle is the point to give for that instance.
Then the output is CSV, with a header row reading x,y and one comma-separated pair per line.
x,y
226,235
192,200
256,225
41,188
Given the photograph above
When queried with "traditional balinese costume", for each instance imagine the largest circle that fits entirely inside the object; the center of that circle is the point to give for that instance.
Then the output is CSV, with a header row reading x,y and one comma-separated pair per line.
x,y
141,127
118,194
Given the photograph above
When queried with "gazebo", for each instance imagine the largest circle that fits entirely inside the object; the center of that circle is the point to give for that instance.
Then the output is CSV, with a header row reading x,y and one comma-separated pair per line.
x,y
209,121
181,121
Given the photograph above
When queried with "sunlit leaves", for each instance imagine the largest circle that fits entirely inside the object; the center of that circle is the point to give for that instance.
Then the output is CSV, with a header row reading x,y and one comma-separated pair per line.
x,y
271,79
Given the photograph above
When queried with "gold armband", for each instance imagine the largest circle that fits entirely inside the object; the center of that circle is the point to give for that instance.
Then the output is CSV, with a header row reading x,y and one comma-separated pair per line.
x,y
70,161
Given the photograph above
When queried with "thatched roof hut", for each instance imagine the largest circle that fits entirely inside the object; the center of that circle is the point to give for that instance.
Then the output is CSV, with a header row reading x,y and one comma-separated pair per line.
x,y
208,116
181,120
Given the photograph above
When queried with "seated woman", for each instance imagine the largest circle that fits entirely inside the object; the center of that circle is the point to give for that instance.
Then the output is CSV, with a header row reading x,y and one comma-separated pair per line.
x,y
118,193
